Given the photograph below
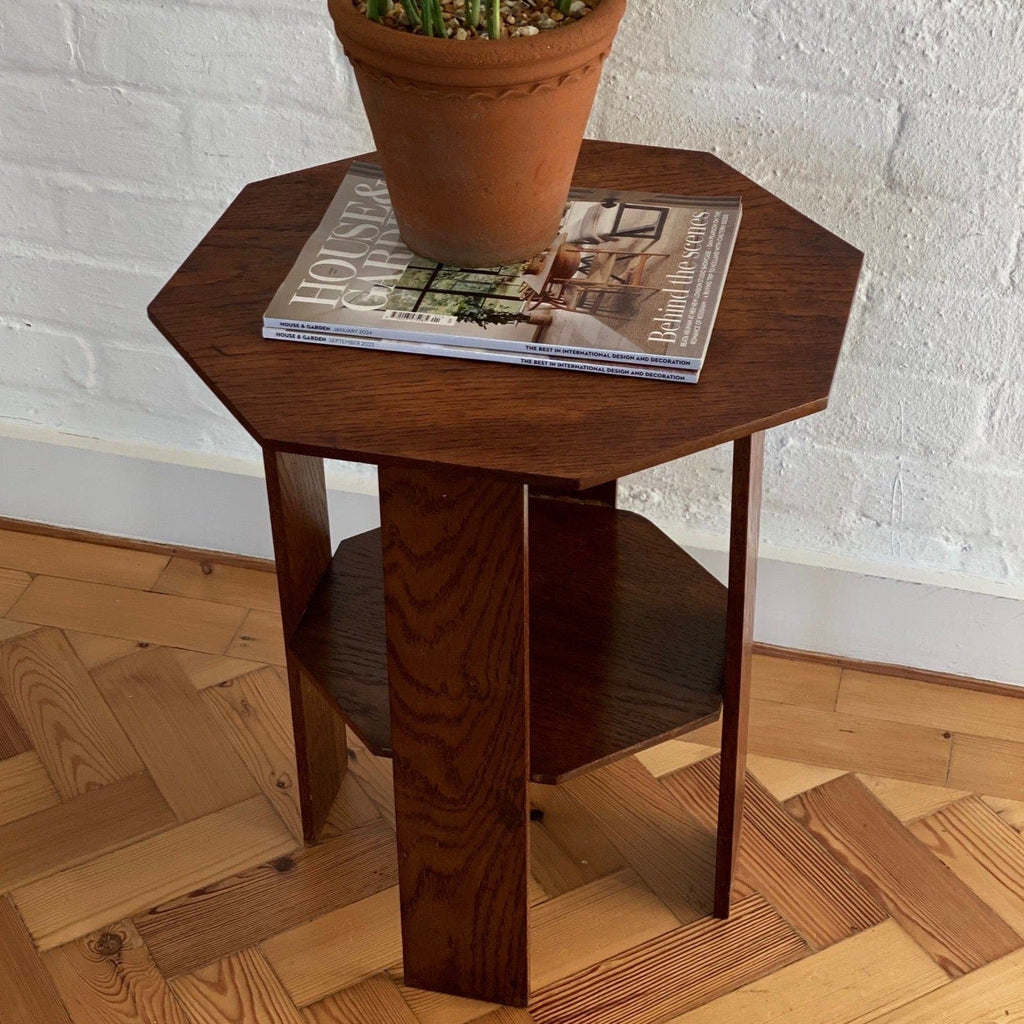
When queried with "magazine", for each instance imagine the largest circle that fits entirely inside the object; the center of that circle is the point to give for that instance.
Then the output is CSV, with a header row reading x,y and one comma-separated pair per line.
x,y
631,277
425,348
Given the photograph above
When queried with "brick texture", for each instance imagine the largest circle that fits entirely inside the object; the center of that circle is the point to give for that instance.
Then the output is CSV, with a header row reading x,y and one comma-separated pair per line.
x,y
127,127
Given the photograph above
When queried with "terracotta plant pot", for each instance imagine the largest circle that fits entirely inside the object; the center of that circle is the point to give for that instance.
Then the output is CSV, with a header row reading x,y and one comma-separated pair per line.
x,y
478,138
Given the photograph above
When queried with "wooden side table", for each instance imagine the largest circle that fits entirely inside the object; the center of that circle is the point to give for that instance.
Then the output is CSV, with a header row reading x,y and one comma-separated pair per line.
x,y
507,622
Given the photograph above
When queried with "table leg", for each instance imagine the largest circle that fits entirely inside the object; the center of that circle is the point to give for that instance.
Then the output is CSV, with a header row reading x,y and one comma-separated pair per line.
x,y
302,551
455,587
747,466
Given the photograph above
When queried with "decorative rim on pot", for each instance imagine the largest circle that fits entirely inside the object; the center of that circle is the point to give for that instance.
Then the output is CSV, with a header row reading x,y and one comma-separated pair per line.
x,y
480,62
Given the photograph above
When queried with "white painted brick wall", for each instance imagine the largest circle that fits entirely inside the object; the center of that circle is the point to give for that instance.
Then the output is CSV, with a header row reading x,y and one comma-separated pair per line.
x,y
127,125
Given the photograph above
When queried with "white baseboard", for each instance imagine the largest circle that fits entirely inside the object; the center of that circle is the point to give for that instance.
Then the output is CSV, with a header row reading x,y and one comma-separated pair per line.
x,y
894,621
203,506
959,627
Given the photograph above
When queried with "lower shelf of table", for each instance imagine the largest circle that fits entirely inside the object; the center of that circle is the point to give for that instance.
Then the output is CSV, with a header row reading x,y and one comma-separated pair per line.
x,y
627,638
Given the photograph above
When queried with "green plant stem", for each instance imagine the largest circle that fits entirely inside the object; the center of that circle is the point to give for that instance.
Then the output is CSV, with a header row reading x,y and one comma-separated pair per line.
x,y
474,13
433,18
413,10
375,9
563,6
494,19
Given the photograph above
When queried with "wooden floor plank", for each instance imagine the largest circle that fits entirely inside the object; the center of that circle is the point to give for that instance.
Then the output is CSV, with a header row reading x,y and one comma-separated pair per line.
x,y
373,775
809,684
129,614
852,981
240,989
851,742
254,713
72,903
259,638
910,800
80,560
373,1001
990,995
180,743
25,788
217,898
785,779
587,925
1011,811
568,933
205,670
108,977
823,901
987,767
81,828
12,585
214,581
13,740
983,851
93,650
202,669
672,755
941,913
507,1015
337,949
568,847
834,740
9,628
664,844
915,702
70,725
674,972
28,995
438,1008
351,808
551,871
240,910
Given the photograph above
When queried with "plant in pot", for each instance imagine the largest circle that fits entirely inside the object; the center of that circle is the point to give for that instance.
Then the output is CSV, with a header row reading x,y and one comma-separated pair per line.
x,y
477,137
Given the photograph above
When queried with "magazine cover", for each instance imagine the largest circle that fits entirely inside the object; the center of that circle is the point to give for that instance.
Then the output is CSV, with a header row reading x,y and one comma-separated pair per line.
x,y
630,277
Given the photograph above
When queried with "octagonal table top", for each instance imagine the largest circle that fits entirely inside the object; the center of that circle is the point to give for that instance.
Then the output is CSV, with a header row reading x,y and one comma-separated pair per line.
x,y
771,360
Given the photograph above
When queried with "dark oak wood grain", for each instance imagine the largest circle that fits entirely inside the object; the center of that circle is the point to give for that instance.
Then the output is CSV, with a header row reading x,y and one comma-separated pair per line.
x,y
627,638
429,633
455,586
302,552
777,339
302,534
341,639
747,469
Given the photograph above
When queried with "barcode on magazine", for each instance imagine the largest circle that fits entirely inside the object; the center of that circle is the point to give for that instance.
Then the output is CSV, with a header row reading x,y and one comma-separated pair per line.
x,y
420,318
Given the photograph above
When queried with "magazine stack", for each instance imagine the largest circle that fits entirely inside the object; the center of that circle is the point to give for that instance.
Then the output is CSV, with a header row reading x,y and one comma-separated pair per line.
x,y
630,286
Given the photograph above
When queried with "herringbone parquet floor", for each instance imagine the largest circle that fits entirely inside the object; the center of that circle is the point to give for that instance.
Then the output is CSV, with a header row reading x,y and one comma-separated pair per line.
x,y
150,869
